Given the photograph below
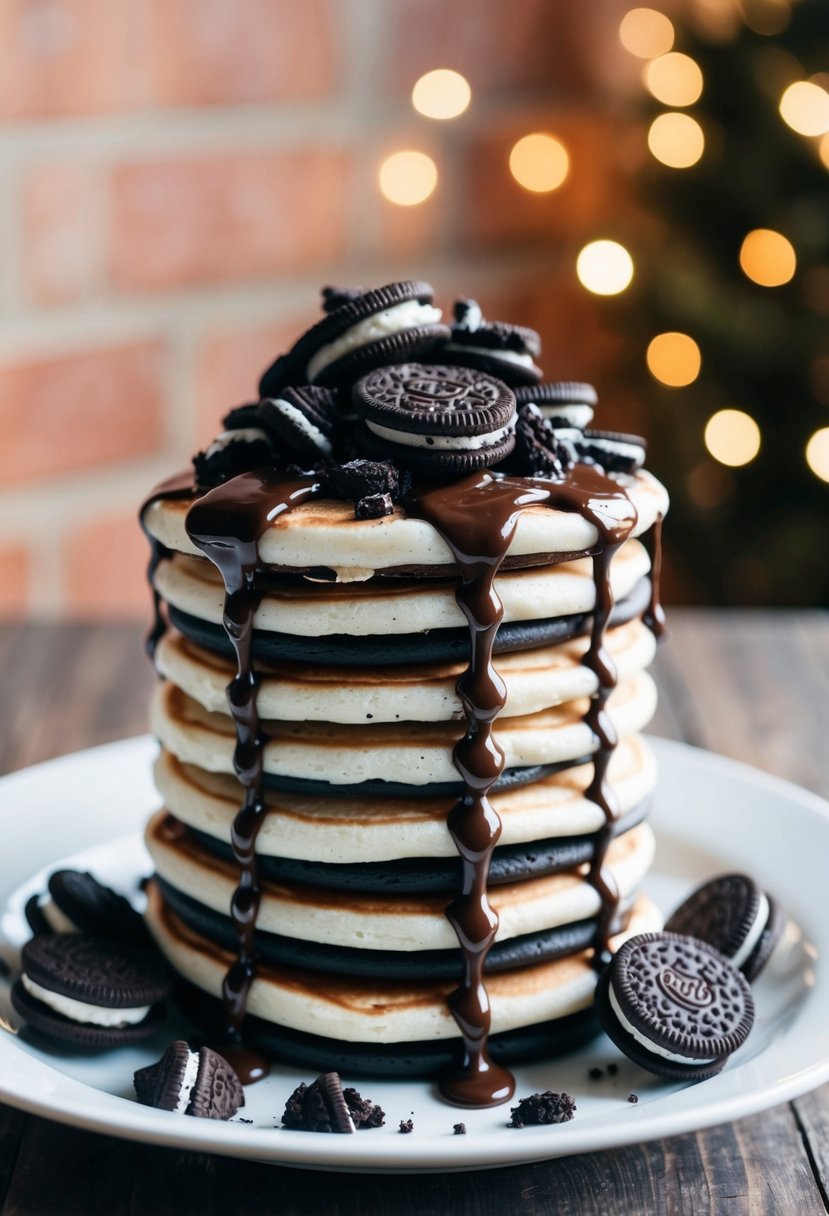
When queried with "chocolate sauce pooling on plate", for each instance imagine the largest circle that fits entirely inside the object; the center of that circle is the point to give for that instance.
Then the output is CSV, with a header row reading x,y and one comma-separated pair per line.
x,y
477,518
227,523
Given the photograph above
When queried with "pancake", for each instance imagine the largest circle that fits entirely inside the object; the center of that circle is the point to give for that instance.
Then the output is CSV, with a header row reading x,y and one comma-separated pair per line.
x,y
358,830
322,534
411,755
372,1012
535,680
390,922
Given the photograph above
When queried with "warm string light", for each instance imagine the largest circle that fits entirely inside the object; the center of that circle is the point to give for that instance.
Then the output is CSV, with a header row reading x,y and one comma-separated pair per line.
x,y
676,140
817,453
646,33
732,437
768,258
408,177
673,359
539,162
441,94
804,106
604,267
823,150
674,79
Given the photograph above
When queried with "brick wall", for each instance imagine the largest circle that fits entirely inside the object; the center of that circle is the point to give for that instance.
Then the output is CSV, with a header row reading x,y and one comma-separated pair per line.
x,y
178,178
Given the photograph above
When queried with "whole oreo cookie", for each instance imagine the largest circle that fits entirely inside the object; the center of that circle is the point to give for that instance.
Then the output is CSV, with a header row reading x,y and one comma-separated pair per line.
x,y
79,903
301,422
91,991
361,330
615,452
735,916
506,351
674,1005
198,1083
562,402
436,419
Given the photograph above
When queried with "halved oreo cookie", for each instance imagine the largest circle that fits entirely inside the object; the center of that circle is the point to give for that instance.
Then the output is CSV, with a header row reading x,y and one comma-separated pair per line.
x,y
319,1107
506,351
198,1083
92,991
674,1005
436,419
562,402
735,916
361,330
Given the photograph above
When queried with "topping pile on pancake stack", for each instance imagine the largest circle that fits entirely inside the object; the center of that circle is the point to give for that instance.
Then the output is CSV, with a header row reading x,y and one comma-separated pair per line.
x,y
403,617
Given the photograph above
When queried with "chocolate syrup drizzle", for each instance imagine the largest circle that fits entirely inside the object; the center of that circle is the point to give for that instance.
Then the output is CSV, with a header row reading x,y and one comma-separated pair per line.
x,y
654,614
477,518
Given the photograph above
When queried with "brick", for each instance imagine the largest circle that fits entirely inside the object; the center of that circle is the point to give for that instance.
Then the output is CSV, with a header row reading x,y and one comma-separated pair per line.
x,y
61,245
230,362
72,412
14,579
498,211
242,50
215,219
105,564
60,57
498,46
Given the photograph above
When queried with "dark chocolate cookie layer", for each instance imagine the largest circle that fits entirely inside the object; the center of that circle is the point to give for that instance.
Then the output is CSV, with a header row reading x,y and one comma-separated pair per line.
x,y
429,876
724,912
96,970
433,646
434,401
430,462
415,965
82,1034
93,907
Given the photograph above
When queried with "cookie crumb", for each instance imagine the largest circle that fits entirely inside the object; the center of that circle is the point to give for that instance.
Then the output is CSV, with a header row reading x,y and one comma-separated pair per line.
x,y
547,1107
406,1126
459,1129
633,1099
244,1120
612,1070
595,1074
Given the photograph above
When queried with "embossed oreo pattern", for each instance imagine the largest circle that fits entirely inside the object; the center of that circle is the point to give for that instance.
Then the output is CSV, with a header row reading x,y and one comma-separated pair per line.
x,y
437,400
721,912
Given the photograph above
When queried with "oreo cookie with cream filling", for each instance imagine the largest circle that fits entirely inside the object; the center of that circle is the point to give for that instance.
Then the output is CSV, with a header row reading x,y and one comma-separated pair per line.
x,y
77,902
198,1083
91,991
361,330
674,1005
615,452
562,402
506,351
735,916
301,422
436,419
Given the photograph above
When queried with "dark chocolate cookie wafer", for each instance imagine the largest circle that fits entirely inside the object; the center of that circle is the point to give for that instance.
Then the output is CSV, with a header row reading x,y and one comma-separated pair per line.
x,y
394,789
538,451
674,1005
735,916
436,419
301,422
236,451
360,331
615,452
506,351
562,402
319,1107
198,1083
90,907
35,916
92,991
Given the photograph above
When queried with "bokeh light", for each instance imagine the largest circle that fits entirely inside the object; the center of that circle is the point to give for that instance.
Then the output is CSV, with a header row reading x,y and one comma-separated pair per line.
x,y
767,17
823,150
805,107
817,453
442,93
604,267
674,359
539,162
732,437
646,33
677,140
674,79
408,178
768,258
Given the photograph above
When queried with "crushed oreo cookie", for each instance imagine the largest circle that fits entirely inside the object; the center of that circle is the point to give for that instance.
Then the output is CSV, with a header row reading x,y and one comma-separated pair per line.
x,y
459,1129
324,1106
227,457
633,1099
595,1074
538,451
406,1126
547,1107
373,506
360,479
365,1113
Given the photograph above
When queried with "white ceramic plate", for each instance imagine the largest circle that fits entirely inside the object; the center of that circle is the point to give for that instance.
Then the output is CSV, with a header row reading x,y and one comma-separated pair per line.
x,y
711,814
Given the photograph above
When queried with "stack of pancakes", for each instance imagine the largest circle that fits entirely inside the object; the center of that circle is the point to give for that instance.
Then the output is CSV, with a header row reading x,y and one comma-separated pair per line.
x,y
358,643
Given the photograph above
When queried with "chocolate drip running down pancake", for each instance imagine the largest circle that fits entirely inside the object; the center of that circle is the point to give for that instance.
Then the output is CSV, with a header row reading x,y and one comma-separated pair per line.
x,y
418,703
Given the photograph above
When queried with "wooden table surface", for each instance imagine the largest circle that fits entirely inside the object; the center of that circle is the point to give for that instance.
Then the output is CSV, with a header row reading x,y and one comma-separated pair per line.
x,y
752,685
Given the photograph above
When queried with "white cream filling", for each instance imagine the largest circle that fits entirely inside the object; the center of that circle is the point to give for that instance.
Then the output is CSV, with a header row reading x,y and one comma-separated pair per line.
x,y
394,320
654,1048
305,425
753,935
473,320
79,1011
246,434
578,416
441,443
508,356
57,919
191,1072
630,451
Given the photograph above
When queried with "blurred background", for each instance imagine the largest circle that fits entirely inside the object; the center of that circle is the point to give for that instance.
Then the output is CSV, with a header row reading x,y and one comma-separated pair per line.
x,y
647,186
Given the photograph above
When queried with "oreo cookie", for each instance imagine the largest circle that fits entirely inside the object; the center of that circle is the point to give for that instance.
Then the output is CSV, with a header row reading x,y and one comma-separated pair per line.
x,y
674,1005
506,351
301,421
436,419
362,330
563,403
79,903
324,1106
198,1083
538,451
233,452
613,451
735,916
90,991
